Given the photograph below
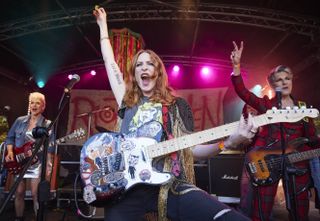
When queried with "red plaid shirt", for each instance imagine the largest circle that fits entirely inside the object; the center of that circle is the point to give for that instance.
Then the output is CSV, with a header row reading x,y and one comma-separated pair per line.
x,y
269,135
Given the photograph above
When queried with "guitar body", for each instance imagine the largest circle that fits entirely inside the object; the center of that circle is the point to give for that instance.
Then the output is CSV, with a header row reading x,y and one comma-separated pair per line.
x,y
265,165
111,164
21,156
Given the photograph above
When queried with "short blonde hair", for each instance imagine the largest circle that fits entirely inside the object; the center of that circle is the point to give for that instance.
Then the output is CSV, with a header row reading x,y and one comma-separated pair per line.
x,y
36,95
281,68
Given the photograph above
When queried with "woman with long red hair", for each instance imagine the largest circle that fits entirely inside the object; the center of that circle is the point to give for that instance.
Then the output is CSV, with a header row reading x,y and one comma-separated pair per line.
x,y
145,96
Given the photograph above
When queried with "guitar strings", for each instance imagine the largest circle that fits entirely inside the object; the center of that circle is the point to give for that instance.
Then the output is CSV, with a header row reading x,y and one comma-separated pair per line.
x,y
276,161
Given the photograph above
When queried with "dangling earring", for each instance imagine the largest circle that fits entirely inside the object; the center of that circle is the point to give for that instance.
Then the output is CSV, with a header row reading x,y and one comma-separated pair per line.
x,y
29,108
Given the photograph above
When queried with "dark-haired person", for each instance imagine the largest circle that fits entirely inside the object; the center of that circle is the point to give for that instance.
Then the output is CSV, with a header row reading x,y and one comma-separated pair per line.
x,y
145,96
269,136
19,134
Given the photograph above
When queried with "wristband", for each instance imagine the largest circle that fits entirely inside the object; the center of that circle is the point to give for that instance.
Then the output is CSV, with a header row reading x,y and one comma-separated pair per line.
x,y
236,65
101,39
221,145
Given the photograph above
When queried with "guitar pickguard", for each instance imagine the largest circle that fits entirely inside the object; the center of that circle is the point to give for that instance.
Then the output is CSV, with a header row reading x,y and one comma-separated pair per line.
x,y
111,163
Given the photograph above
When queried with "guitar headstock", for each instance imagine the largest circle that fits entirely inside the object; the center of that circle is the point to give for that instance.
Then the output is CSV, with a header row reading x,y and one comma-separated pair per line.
x,y
78,134
291,115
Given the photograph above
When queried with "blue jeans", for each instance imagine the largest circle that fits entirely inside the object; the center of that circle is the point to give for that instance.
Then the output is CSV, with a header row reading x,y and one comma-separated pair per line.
x,y
315,173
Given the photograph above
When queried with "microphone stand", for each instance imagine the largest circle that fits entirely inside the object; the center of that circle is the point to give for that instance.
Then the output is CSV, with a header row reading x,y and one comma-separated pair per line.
x,y
288,172
44,186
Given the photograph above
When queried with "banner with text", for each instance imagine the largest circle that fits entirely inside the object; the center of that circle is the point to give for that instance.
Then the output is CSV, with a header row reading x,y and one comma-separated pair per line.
x,y
98,109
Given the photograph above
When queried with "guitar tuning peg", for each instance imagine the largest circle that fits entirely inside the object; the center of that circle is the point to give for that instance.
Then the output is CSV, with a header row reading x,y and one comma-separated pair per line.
x,y
295,108
288,108
303,107
274,108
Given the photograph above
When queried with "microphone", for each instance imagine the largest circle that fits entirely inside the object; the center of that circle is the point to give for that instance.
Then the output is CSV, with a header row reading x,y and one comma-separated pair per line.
x,y
5,109
39,132
75,78
279,97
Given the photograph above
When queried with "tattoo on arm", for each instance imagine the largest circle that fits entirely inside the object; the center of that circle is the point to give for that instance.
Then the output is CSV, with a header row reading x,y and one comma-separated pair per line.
x,y
117,73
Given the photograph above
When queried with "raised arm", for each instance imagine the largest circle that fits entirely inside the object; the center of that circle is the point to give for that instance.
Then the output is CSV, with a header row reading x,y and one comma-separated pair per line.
x,y
236,57
114,74
260,104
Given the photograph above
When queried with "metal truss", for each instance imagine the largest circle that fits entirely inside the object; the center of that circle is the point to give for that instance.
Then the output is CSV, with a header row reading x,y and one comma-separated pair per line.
x,y
167,59
231,14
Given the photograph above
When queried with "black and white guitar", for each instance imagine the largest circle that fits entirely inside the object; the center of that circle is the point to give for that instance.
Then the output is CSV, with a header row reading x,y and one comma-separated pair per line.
x,y
112,163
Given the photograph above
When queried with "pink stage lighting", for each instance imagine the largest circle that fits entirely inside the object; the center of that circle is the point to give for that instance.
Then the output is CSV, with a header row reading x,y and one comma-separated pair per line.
x,y
176,68
206,71
70,76
93,72
175,71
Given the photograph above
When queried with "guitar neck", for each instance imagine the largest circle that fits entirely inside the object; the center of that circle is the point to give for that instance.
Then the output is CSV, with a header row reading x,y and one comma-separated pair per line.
x,y
62,139
305,155
197,138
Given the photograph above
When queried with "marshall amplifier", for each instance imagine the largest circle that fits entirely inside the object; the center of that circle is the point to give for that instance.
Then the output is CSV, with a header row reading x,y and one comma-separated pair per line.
x,y
225,175
201,173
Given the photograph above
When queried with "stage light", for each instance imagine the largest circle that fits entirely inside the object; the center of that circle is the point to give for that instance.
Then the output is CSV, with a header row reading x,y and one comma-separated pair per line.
x,y
270,93
258,87
257,90
40,84
175,71
93,72
176,68
205,71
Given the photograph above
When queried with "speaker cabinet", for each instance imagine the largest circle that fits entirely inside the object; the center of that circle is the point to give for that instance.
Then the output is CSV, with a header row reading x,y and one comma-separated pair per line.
x,y
225,174
201,173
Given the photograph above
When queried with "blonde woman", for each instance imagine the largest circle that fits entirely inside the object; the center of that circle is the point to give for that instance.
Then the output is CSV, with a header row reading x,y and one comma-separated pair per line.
x,y
20,134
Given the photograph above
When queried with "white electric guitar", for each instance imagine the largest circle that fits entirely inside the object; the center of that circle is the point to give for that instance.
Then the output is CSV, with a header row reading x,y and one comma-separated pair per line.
x,y
112,163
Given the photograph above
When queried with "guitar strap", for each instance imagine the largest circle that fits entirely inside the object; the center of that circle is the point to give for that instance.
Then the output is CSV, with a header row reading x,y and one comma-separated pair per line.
x,y
175,169
180,162
305,120
164,189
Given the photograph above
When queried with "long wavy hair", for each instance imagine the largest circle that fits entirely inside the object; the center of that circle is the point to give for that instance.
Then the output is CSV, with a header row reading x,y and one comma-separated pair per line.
x,y
162,92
